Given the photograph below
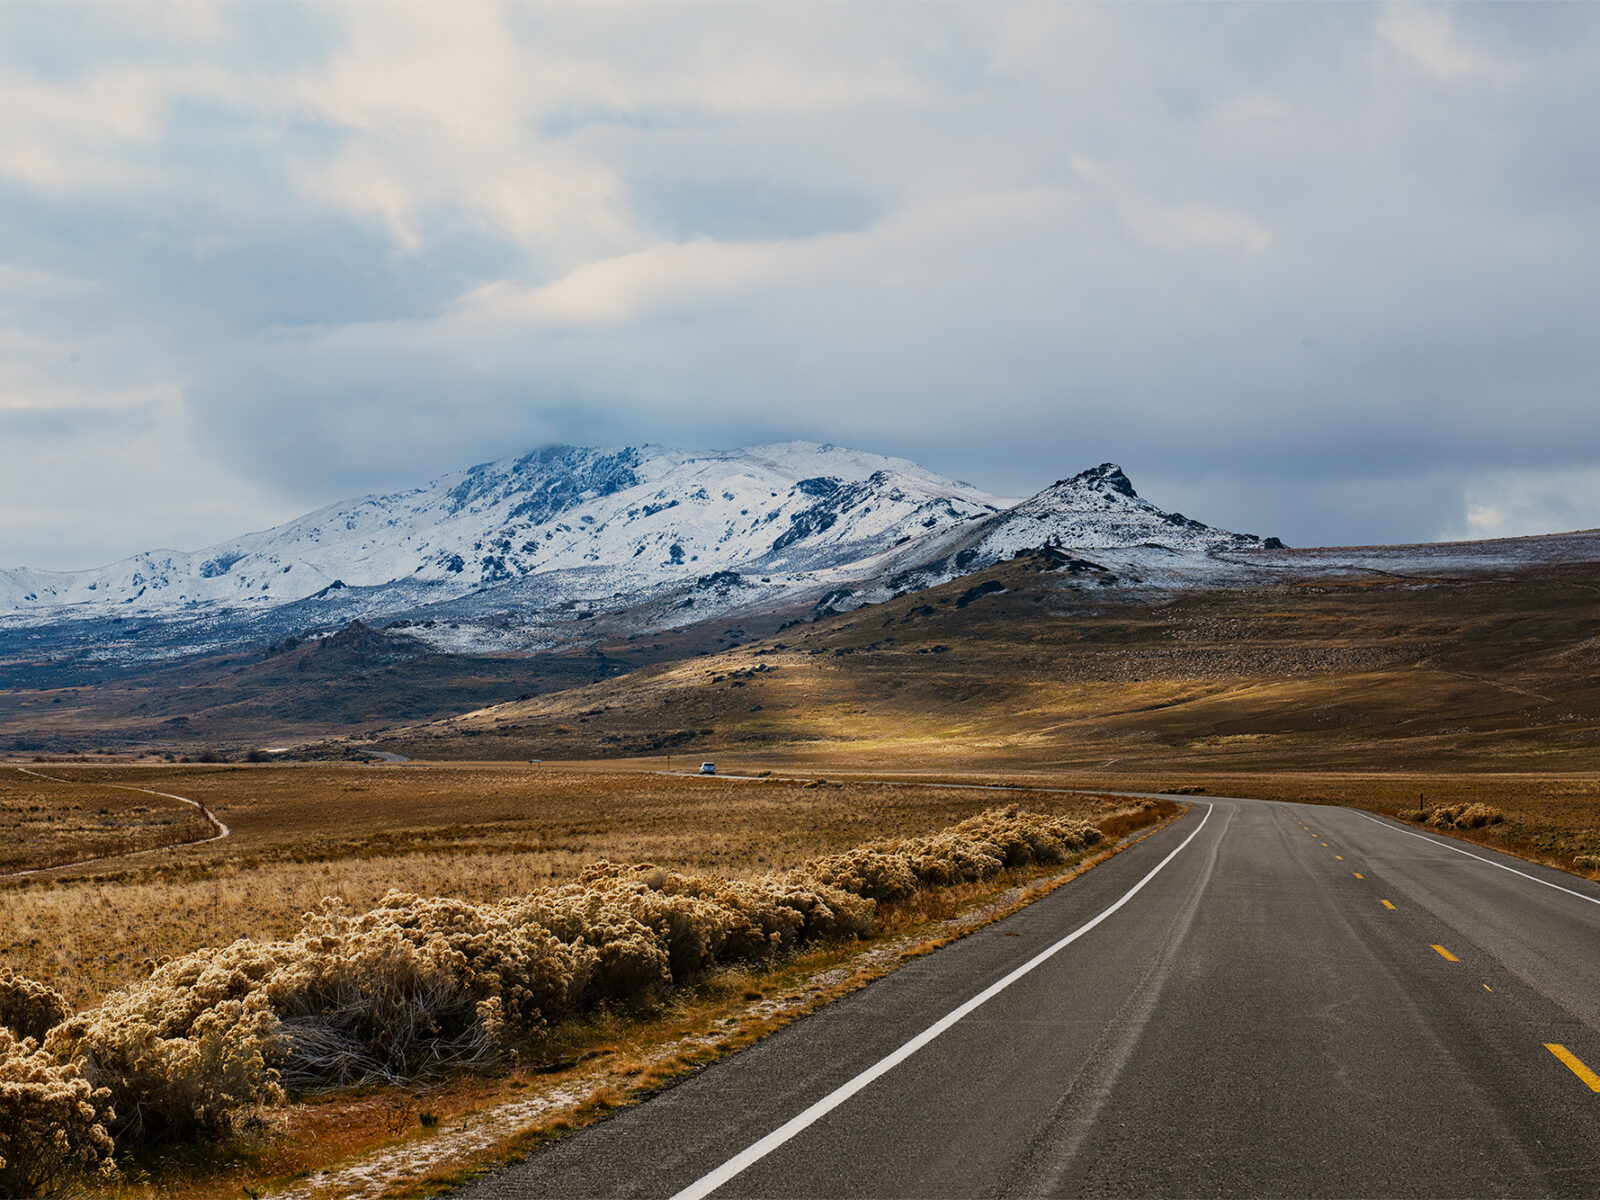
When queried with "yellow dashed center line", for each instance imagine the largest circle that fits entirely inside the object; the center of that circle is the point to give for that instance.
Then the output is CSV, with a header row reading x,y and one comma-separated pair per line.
x,y
1340,857
1389,904
1358,874
1487,988
1445,954
1575,1065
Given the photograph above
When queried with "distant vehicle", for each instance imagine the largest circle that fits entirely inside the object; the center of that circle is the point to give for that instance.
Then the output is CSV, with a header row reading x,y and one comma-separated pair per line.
x,y
708,768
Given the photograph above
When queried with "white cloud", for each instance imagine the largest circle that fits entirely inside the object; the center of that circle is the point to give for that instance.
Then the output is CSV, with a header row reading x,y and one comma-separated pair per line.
x,y
106,477
441,105
1427,36
1176,227
1514,503
75,135
346,247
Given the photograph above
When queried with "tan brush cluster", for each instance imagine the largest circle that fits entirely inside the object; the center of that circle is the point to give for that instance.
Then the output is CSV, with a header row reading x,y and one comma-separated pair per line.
x,y
1455,816
205,1042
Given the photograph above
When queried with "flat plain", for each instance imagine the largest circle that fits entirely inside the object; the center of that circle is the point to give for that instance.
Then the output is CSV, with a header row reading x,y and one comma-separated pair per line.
x,y
477,831
44,821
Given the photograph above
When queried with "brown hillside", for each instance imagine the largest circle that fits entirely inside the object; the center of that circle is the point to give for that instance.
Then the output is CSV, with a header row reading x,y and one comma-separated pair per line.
x,y
1033,664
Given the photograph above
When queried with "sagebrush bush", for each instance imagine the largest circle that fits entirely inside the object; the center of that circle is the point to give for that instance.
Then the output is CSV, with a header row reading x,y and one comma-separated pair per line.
x,y
204,1076
976,849
1460,816
875,874
51,1119
413,982
28,1008
210,1038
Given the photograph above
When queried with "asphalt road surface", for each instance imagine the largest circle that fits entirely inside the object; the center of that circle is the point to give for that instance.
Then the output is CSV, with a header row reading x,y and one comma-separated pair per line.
x,y
1299,1000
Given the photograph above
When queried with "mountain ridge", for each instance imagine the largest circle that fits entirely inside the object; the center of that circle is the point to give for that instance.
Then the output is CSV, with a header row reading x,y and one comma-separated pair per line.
x,y
469,528
515,553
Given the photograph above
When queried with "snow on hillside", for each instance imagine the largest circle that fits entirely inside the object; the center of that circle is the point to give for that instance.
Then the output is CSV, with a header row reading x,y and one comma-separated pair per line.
x,y
1098,509
524,553
1097,514
624,521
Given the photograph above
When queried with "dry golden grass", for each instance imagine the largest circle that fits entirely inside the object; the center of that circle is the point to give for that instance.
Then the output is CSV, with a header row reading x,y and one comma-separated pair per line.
x,y
1482,689
44,821
1443,675
917,880
602,1059
478,832
302,832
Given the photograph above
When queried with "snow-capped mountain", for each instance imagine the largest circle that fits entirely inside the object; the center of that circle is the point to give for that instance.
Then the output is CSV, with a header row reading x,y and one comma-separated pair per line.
x,y
1095,513
516,553
628,520
1098,509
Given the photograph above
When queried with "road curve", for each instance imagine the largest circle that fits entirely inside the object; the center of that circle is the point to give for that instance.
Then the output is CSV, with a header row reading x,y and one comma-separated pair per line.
x,y
218,829
1299,1000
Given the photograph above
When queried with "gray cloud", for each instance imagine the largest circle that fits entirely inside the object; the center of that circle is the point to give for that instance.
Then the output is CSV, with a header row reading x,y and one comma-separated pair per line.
x,y
1327,272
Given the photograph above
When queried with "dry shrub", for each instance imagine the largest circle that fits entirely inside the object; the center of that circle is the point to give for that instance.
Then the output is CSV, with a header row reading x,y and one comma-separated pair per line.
x,y
876,874
703,920
413,982
625,961
51,1120
1475,816
1587,862
170,1077
651,927
1457,816
186,1051
1123,822
976,849
211,1037
28,1008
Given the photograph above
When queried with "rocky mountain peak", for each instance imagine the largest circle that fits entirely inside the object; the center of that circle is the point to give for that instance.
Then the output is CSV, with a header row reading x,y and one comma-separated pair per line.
x,y
512,553
1107,477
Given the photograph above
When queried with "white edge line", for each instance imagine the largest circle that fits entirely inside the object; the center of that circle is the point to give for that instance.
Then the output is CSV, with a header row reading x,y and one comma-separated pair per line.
x,y
749,1157
1479,857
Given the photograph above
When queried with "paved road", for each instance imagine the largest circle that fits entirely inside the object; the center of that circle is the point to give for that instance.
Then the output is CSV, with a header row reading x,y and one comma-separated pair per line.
x,y
1299,1000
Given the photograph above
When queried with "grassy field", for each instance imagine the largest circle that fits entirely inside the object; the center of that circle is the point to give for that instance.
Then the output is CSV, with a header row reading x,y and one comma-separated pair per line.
x,y
1443,675
48,818
476,831
1394,694
485,830
1369,691
1384,692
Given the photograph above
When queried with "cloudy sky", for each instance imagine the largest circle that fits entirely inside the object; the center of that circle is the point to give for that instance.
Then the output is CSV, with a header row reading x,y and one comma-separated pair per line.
x,y
1329,273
